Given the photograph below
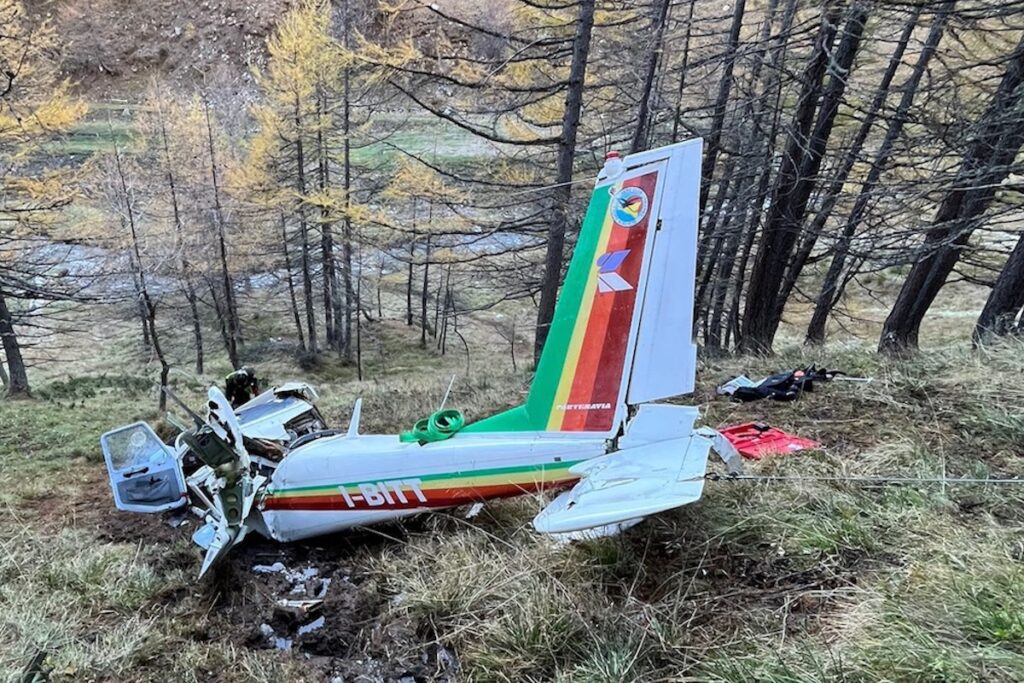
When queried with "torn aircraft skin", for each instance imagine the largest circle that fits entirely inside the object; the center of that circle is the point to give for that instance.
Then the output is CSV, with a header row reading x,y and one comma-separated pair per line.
x,y
592,424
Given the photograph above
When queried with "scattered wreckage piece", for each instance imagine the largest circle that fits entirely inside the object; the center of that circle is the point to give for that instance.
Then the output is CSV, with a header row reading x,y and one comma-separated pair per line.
x,y
592,425
782,386
754,440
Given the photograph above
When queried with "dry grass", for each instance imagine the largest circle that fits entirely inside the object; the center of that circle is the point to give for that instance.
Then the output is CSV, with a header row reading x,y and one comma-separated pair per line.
x,y
806,581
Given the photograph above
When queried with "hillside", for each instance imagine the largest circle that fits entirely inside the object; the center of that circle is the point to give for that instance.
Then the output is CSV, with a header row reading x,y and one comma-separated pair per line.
x,y
788,581
112,48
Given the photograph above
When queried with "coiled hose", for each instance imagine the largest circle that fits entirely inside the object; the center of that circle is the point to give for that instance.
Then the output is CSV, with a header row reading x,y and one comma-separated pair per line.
x,y
440,426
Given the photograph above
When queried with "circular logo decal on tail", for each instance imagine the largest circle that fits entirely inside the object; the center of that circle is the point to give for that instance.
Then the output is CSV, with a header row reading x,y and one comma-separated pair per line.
x,y
629,206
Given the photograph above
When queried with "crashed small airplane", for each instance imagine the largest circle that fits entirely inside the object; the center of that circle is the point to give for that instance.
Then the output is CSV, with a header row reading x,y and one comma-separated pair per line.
x,y
591,425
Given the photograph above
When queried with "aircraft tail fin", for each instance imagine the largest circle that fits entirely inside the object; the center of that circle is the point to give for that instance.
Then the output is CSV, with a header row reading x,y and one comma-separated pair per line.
x,y
622,328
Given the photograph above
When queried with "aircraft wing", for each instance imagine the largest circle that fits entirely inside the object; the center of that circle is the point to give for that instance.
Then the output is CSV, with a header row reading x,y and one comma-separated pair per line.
x,y
623,486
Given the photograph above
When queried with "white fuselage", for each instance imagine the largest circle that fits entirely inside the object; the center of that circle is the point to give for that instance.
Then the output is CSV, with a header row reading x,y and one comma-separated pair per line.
x,y
339,482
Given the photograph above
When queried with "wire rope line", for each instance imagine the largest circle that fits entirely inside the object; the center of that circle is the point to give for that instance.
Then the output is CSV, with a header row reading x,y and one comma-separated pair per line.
x,y
863,479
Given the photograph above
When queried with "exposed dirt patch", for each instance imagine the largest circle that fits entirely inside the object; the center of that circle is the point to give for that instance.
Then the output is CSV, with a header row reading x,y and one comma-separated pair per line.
x,y
91,506
114,46
313,599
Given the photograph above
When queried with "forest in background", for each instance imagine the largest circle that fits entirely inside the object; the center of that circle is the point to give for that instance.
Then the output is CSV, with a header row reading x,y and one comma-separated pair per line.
x,y
439,154
152,173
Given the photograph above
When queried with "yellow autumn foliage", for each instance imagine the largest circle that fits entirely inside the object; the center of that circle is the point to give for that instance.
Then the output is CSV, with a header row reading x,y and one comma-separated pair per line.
x,y
36,108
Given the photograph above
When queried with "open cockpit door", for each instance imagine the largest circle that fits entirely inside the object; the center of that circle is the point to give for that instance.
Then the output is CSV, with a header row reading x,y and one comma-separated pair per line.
x,y
145,474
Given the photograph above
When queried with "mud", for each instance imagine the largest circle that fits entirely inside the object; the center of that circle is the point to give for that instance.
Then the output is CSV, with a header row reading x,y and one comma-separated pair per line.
x,y
345,631
354,637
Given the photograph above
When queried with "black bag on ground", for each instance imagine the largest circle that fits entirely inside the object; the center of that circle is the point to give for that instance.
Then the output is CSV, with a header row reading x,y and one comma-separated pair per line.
x,y
785,386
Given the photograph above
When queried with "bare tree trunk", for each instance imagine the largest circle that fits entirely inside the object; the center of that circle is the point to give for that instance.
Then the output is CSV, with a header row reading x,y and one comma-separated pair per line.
x,y
358,302
657,30
985,165
437,299
218,213
832,192
423,295
678,115
329,276
714,237
4,379
351,296
146,300
197,329
380,279
442,337
714,138
300,187
831,288
409,274
291,285
1004,303
711,306
222,325
562,192
512,346
797,176
147,343
17,383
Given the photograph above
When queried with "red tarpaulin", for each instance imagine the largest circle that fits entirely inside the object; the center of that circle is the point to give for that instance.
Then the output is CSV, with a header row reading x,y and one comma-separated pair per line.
x,y
755,439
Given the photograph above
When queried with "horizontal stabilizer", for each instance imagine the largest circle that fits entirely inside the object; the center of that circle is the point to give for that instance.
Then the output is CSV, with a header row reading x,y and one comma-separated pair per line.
x,y
634,482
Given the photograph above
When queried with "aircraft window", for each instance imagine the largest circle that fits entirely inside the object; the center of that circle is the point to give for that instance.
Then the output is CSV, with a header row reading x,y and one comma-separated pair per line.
x,y
135,446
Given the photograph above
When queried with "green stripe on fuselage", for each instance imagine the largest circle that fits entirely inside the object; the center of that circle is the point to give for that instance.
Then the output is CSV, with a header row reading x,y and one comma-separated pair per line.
x,y
535,414
444,475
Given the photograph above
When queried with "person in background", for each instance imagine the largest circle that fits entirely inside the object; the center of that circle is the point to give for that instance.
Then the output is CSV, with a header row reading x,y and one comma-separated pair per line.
x,y
241,386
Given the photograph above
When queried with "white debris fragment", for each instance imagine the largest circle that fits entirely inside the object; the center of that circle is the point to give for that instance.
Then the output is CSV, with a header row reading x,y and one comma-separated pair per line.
x,y
299,576
275,641
730,387
314,625
474,510
446,660
298,606
275,568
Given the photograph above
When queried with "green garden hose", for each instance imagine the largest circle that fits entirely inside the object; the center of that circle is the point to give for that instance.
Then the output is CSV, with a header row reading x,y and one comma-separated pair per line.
x,y
440,426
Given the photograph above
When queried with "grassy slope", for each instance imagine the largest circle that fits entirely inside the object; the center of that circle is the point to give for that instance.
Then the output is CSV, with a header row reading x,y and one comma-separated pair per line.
x,y
755,582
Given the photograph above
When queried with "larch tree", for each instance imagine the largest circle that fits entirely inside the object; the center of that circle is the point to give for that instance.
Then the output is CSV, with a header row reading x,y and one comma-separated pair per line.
x,y
170,152
994,145
833,284
543,87
798,176
297,146
36,106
